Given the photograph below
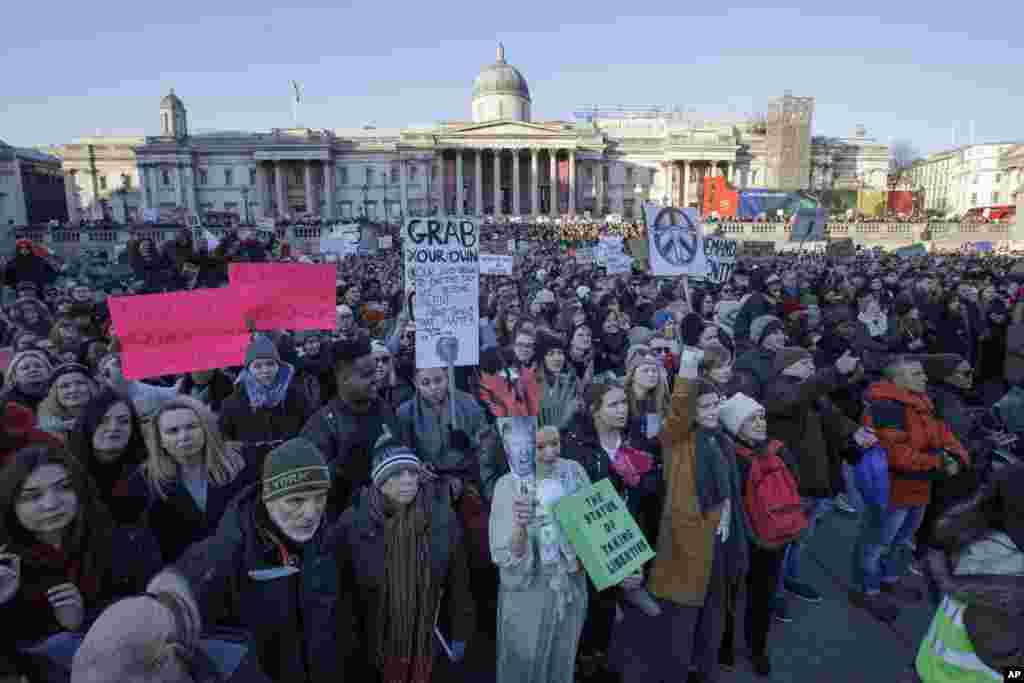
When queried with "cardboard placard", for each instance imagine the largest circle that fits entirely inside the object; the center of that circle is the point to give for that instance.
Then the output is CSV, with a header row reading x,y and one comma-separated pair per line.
x,y
604,535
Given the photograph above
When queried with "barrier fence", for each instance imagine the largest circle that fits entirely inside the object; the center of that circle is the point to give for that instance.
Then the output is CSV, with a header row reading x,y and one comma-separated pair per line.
x,y
306,239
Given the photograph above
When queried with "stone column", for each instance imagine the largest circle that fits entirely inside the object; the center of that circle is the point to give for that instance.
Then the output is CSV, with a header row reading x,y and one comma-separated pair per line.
x,y
282,193
601,189
182,200
572,182
308,187
534,183
497,182
478,183
686,184
516,177
260,190
728,171
328,169
441,184
143,189
553,182
460,208
403,188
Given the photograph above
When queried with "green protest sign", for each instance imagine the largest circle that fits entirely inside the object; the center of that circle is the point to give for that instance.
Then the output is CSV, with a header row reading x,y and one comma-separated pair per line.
x,y
604,535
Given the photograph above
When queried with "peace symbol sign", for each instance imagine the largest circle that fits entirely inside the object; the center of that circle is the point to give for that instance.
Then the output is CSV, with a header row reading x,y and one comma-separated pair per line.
x,y
675,236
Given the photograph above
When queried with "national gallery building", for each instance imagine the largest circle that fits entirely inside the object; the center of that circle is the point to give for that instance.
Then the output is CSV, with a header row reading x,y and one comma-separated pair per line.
x,y
501,162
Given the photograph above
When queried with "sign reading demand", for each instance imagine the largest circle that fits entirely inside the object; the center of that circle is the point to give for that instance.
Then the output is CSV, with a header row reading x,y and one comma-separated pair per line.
x,y
604,535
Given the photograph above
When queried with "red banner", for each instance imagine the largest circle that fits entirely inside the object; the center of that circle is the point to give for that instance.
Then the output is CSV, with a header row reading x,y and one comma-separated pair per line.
x,y
719,197
901,202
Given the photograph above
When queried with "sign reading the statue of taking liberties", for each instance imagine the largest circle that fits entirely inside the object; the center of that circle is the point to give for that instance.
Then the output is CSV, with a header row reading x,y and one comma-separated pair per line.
x,y
441,259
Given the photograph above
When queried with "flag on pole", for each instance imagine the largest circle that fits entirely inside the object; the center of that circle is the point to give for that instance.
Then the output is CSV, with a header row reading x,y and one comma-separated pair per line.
x,y
298,92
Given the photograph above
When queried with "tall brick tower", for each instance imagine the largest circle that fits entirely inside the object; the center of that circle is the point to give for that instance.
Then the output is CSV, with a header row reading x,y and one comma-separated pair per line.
x,y
789,141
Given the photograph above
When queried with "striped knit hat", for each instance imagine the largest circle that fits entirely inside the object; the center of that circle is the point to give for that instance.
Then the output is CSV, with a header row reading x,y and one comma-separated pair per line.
x,y
389,458
296,466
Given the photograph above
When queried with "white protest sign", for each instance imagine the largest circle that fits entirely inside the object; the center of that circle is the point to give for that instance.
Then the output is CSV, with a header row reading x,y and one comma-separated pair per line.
x,y
584,256
616,264
607,246
442,279
265,223
720,257
342,246
496,264
809,225
674,237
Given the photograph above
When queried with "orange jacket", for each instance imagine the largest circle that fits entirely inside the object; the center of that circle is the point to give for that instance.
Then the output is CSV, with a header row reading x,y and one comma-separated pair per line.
x,y
522,399
911,433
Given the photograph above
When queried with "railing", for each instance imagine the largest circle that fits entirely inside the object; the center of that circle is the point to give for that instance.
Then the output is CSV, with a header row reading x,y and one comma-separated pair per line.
x,y
306,239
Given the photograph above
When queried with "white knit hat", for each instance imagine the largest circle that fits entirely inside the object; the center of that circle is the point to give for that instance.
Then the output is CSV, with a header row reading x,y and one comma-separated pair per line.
x,y
736,410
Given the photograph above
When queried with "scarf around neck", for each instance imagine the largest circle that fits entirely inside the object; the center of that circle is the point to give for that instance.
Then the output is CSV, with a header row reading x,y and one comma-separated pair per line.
x,y
261,396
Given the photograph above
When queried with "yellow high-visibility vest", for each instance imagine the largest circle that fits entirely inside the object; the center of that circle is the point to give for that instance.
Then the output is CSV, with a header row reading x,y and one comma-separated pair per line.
x,y
947,655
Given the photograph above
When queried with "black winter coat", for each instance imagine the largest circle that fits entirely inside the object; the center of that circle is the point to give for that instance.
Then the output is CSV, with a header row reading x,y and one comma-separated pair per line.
x,y
239,421
301,622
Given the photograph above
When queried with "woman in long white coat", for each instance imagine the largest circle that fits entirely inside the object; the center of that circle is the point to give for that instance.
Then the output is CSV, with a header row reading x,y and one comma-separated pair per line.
x,y
543,595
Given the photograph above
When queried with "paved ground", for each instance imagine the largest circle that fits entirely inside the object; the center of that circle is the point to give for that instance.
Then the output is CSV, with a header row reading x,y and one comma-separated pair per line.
x,y
830,642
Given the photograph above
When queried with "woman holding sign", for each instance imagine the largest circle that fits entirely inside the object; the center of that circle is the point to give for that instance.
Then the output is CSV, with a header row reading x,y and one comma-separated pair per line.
x,y
543,596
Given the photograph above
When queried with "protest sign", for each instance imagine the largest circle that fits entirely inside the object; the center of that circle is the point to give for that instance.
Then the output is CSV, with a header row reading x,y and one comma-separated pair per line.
x,y
519,438
720,257
585,256
616,264
841,248
603,533
757,249
983,247
496,264
265,223
809,224
339,246
673,237
442,279
167,334
290,296
913,250
607,246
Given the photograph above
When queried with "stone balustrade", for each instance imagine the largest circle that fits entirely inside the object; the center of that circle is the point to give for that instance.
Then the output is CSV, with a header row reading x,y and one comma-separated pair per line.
x,y
305,239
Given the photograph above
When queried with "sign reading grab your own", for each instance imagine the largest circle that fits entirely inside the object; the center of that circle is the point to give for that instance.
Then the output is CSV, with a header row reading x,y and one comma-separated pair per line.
x,y
441,259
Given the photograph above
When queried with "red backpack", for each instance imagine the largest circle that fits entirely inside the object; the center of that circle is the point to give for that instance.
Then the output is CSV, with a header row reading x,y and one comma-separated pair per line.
x,y
771,498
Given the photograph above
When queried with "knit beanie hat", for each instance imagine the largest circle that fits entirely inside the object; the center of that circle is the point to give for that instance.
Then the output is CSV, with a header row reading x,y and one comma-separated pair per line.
x,y
43,357
261,347
390,457
69,369
762,326
737,410
640,335
940,366
296,466
349,350
788,356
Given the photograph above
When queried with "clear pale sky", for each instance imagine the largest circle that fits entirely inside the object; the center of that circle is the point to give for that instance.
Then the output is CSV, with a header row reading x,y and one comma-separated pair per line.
x,y
906,70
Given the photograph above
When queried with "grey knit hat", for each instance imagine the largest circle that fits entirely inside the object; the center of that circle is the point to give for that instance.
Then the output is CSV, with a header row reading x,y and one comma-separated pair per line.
x,y
389,457
261,347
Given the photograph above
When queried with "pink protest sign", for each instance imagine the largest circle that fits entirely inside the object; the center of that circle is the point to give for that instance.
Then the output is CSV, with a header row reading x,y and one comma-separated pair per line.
x,y
290,296
164,334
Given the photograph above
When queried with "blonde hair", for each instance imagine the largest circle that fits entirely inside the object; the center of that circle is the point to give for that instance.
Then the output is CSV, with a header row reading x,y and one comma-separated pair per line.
x,y
51,407
11,375
660,393
223,462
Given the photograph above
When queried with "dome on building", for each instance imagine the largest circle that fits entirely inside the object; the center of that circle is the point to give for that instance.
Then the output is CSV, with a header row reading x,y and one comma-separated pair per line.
x,y
170,100
500,78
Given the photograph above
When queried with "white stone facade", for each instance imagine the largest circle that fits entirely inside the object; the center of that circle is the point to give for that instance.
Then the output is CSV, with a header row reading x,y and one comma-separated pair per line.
x,y
501,162
101,178
970,177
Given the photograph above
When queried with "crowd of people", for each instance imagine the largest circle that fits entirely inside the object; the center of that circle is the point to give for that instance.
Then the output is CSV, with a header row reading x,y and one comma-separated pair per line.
x,y
328,509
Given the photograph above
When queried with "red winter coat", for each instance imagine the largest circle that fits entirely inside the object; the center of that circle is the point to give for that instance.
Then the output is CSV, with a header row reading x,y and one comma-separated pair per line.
x,y
911,433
